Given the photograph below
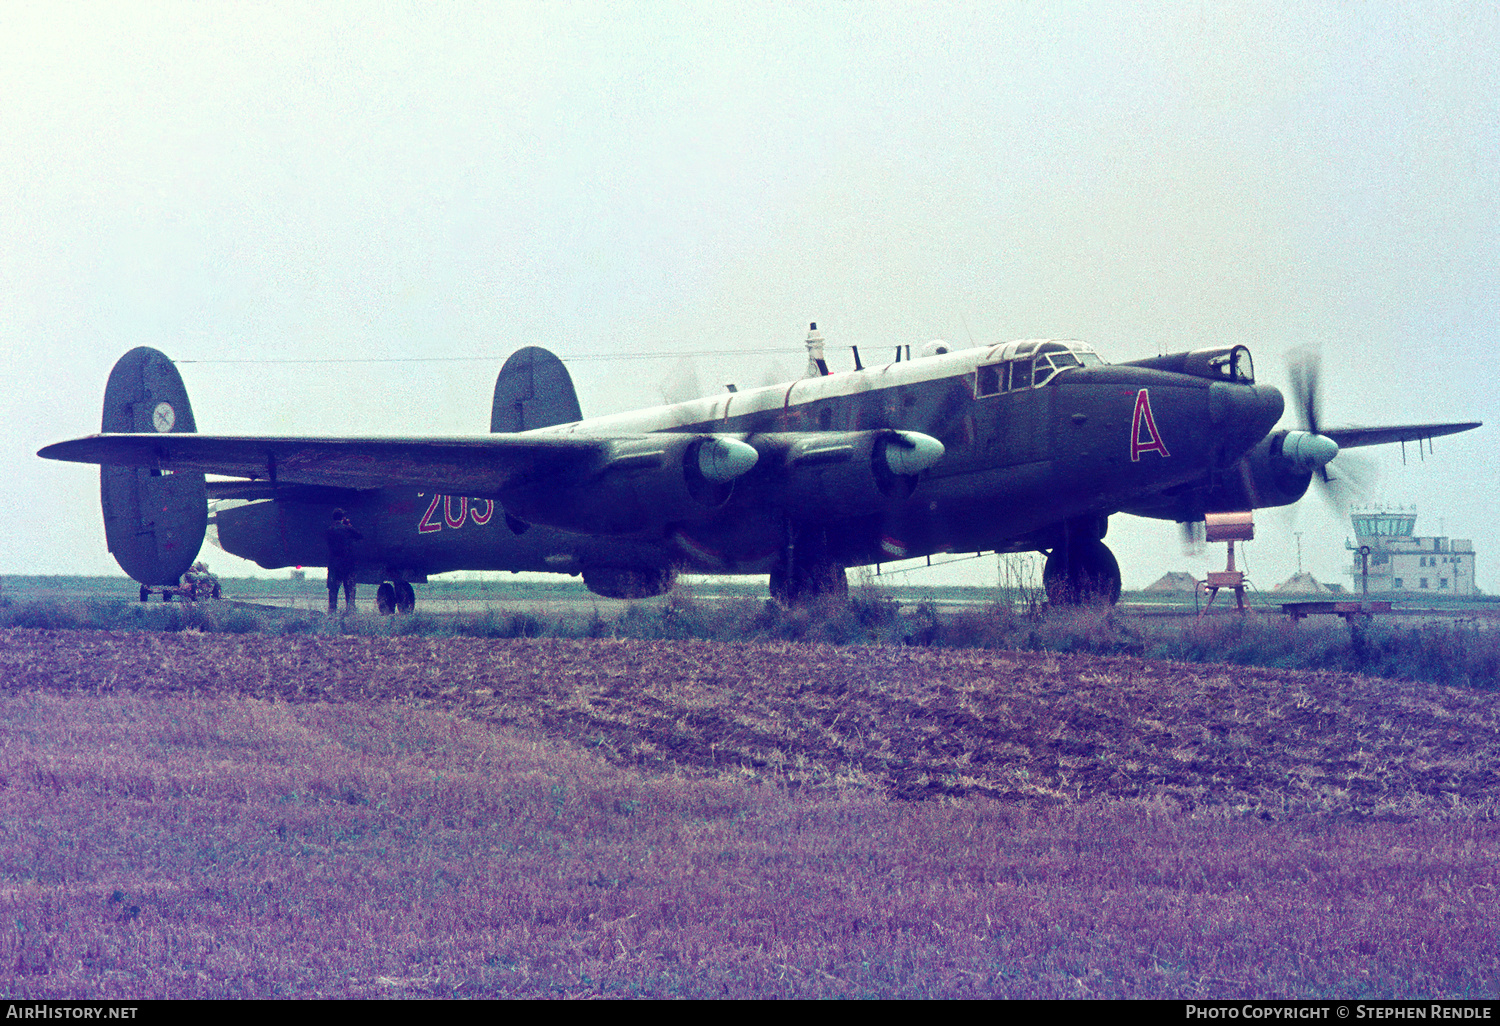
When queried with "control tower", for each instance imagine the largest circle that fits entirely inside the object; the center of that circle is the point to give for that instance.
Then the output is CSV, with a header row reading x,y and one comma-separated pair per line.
x,y
1398,560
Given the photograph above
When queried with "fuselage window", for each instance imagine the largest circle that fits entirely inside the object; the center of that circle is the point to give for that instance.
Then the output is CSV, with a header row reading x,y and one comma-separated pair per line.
x,y
1020,374
990,380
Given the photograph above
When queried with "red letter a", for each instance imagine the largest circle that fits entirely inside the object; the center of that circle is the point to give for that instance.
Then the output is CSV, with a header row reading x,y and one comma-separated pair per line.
x,y
1143,418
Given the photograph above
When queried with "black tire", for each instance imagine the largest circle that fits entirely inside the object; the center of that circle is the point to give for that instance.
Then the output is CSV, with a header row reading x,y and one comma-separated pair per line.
x,y
806,573
807,584
1081,573
385,599
628,582
781,589
406,597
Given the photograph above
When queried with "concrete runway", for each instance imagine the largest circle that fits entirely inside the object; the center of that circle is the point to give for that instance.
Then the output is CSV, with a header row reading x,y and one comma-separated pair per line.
x,y
584,606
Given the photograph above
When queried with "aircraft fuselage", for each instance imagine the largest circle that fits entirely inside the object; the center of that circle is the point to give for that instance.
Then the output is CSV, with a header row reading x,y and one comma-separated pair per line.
x,y
1021,460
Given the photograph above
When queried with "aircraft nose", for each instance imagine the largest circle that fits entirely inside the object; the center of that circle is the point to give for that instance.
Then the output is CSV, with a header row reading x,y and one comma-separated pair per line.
x,y
1244,414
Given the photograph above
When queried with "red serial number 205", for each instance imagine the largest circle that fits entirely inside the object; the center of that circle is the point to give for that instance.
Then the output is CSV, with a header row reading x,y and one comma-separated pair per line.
x,y
455,509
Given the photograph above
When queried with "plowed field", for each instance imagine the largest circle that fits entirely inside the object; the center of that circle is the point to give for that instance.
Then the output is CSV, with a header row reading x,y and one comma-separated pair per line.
x,y
906,722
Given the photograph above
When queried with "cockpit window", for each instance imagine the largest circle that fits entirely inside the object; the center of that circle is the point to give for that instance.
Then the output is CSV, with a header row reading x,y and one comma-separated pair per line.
x,y
1020,374
1234,365
1030,364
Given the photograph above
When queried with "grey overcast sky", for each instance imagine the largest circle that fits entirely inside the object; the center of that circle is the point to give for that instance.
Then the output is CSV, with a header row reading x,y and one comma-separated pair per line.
x,y
268,181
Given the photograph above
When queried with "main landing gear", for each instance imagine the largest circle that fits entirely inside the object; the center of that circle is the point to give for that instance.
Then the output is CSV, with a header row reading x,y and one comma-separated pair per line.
x,y
1080,572
395,597
805,573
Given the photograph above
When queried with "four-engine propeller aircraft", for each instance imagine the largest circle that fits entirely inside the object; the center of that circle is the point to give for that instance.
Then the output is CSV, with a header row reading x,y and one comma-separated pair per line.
x,y
1025,446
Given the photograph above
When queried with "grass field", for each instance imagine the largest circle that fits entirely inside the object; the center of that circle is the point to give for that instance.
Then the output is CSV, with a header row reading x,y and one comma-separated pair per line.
x,y
191,813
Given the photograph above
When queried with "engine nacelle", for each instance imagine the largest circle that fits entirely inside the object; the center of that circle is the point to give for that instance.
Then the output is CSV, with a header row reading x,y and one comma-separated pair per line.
x,y
845,473
637,483
1276,472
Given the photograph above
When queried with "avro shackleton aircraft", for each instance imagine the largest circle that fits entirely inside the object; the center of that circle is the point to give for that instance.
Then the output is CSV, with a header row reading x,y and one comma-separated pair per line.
x,y
1025,446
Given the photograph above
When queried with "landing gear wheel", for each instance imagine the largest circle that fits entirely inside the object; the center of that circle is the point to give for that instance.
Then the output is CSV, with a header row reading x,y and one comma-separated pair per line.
x,y
406,597
1082,572
145,594
807,581
781,591
624,582
385,599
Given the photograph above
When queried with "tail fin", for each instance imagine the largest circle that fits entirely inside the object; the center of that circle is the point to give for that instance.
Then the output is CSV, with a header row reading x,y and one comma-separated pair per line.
x,y
154,521
533,390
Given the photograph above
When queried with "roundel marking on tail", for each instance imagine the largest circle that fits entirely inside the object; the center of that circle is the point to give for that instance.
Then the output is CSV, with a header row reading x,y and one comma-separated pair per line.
x,y
154,522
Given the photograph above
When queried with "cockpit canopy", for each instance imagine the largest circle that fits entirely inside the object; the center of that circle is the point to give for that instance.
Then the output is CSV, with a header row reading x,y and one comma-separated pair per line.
x,y
1030,364
1232,364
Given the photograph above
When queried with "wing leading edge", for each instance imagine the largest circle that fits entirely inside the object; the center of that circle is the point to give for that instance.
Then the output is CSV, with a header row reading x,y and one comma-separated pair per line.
x,y
1354,437
480,466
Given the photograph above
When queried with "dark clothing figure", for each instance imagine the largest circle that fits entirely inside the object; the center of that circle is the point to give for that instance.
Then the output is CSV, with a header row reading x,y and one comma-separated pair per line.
x,y
341,536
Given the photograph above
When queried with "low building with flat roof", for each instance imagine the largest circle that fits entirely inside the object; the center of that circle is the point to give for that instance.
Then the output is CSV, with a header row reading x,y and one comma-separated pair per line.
x,y
1399,560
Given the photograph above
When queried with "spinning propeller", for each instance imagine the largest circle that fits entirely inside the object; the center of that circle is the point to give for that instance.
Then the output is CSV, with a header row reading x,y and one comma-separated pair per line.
x,y
1299,453
1310,450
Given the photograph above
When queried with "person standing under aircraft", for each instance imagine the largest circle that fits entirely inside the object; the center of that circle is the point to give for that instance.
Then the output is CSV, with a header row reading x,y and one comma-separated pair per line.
x,y
341,536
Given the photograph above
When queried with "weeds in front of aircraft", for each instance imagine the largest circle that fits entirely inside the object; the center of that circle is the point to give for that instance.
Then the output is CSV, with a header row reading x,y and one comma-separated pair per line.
x,y
211,816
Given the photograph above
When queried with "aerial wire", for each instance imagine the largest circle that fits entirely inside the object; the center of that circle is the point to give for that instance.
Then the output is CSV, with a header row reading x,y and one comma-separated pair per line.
x,y
664,355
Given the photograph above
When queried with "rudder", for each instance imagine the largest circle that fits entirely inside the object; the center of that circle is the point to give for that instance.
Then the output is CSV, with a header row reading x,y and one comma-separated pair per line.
x,y
534,390
154,521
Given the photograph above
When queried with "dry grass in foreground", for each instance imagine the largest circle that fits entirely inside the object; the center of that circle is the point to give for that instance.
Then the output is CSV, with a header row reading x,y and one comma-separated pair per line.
x,y
900,721
211,816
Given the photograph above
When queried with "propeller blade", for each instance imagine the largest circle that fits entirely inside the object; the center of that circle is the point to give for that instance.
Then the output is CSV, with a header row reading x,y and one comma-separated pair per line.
x,y
773,374
1311,450
1350,482
1356,476
681,384
1305,368
1247,478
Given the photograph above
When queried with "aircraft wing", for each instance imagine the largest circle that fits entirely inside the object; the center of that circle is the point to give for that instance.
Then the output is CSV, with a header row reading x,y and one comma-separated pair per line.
x,y
479,466
1353,437
326,495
